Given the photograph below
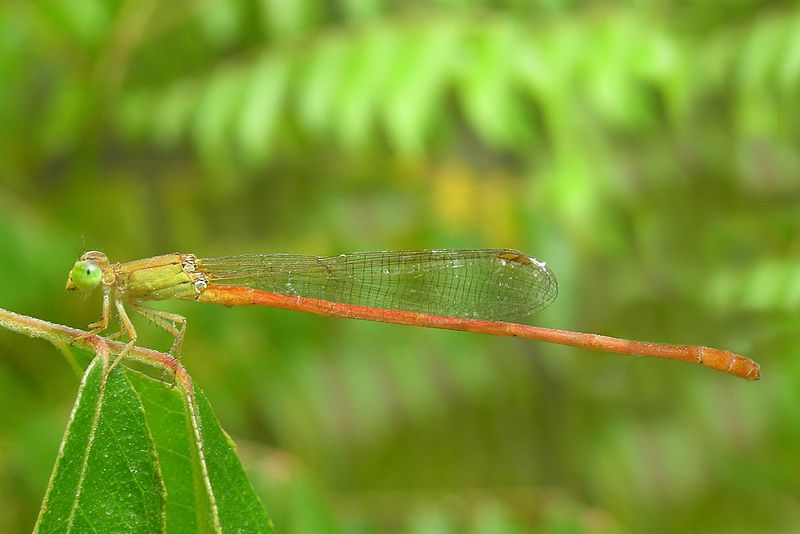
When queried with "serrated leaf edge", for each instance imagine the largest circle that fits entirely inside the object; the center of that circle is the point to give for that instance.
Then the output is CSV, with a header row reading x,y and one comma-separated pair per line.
x,y
87,452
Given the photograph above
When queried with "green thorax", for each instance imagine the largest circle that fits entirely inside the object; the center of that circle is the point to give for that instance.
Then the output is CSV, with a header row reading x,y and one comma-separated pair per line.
x,y
160,278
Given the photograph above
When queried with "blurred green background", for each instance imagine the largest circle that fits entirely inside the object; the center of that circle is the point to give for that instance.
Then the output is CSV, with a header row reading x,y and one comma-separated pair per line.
x,y
647,150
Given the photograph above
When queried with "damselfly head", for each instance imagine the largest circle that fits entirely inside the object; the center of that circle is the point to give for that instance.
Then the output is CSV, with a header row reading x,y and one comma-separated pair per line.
x,y
87,273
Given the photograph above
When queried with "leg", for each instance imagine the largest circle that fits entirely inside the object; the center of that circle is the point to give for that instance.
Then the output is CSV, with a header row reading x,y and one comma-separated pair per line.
x,y
102,325
126,324
171,322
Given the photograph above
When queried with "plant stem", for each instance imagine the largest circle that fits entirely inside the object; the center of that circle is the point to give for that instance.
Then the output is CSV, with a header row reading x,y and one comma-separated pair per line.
x,y
61,336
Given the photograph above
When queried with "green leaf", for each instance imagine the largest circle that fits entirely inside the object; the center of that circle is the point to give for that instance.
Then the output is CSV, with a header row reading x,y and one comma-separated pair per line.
x,y
187,505
487,92
286,18
238,507
220,21
363,9
106,477
85,21
142,456
661,61
67,113
321,75
172,114
416,90
215,113
132,117
365,74
261,109
768,285
608,73
789,68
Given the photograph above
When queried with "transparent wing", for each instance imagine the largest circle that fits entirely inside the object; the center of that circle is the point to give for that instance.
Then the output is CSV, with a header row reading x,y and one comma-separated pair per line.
x,y
493,284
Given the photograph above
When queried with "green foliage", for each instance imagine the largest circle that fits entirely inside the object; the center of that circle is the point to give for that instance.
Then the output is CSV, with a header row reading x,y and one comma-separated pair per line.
x,y
647,150
345,86
106,476
140,456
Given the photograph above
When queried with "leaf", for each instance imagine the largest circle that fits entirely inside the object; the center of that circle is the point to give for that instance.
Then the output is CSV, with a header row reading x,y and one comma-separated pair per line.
x,y
416,88
106,477
85,21
486,89
286,19
362,9
220,21
757,66
535,68
261,109
132,117
362,86
769,285
759,56
142,456
186,505
206,484
172,114
789,68
68,113
214,115
661,61
608,73
238,507
321,76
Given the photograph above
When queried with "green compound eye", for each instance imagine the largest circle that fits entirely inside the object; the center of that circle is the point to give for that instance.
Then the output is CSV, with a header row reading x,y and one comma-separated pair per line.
x,y
86,275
